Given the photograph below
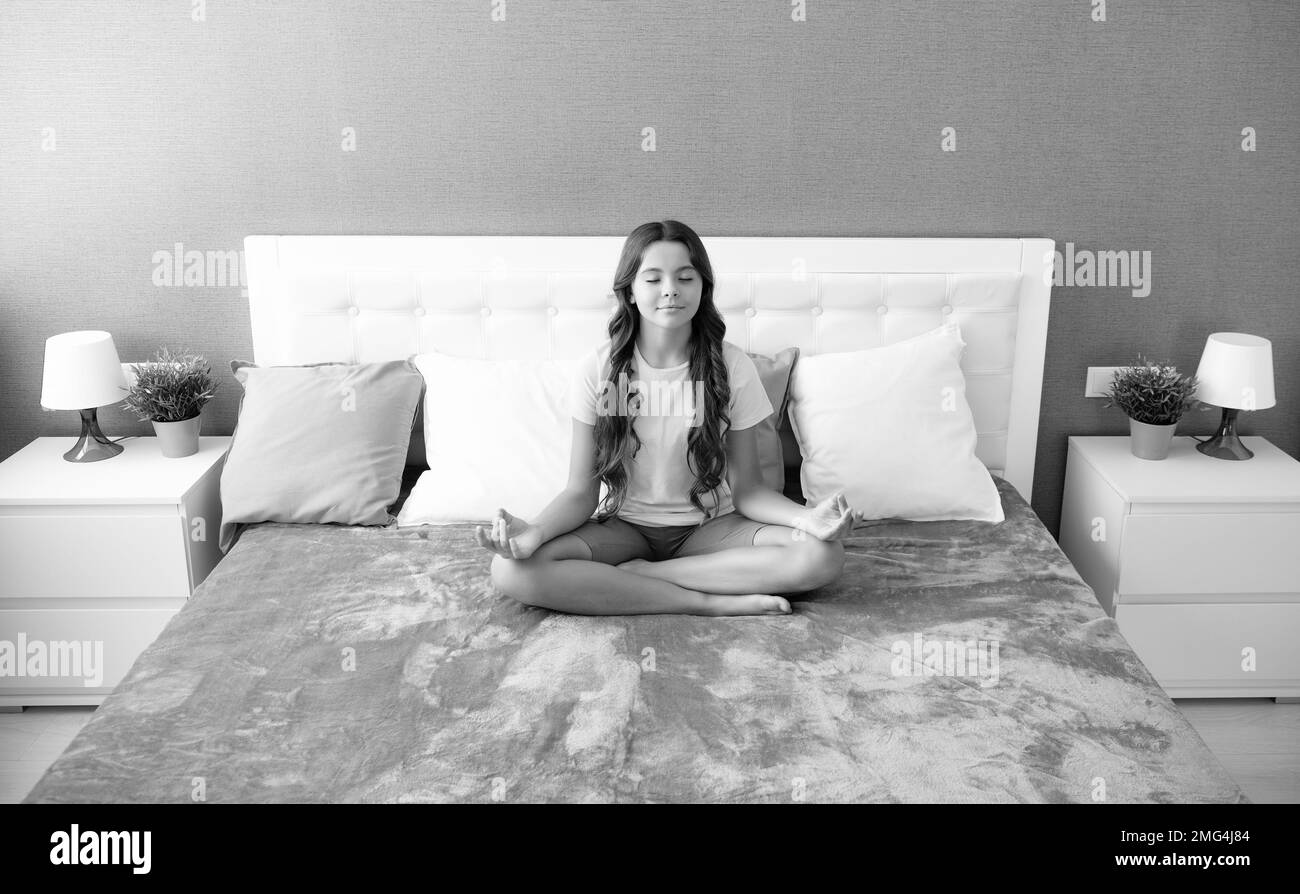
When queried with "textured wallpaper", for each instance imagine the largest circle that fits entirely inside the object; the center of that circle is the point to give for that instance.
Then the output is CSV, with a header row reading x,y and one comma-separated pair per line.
x,y
141,141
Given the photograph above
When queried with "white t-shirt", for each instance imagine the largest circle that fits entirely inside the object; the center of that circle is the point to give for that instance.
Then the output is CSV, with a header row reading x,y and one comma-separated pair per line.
x,y
659,481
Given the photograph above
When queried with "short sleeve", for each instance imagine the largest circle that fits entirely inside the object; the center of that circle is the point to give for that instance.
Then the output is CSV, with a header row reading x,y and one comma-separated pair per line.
x,y
749,403
582,390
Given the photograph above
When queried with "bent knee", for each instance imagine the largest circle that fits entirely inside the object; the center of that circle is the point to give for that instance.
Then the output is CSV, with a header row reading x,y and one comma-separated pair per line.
x,y
820,562
519,578
515,578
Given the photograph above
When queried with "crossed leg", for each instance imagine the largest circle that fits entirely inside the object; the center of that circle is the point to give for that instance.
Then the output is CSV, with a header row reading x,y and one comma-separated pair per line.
x,y
781,560
562,576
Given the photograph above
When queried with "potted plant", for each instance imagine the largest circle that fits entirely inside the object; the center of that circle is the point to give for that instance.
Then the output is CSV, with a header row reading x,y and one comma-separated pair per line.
x,y
1154,397
170,392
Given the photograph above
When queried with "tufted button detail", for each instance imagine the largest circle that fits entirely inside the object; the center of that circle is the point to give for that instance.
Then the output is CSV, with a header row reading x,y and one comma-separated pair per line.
x,y
947,308
816,311
749,311
419,311
485,311
882,310
552,310
352,311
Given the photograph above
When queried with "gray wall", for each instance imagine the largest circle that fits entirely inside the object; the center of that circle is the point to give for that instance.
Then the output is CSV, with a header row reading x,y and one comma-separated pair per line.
x,y
1116,135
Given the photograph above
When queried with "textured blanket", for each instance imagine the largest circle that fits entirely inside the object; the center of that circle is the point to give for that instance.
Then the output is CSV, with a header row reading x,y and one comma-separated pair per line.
x,y
951,662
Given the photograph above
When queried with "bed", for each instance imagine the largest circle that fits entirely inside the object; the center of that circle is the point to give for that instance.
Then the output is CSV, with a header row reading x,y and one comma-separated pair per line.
x,y
329,663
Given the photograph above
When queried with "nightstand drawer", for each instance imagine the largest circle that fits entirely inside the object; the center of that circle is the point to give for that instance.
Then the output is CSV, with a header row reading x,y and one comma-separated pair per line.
x,y
1209,554
1203,644
76,652
139,553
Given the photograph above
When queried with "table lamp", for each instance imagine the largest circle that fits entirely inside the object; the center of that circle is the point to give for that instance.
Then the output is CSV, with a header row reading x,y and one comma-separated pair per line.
x,y
1236,373
83,372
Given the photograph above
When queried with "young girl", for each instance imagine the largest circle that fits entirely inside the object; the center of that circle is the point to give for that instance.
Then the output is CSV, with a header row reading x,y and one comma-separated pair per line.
x,y
664,416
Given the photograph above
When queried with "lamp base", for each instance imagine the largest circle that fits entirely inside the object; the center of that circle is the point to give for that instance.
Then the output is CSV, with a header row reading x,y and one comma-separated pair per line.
x,y
93,445
1225,444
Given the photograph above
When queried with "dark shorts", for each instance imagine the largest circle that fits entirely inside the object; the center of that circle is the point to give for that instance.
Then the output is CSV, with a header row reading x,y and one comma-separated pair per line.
x,y
616,540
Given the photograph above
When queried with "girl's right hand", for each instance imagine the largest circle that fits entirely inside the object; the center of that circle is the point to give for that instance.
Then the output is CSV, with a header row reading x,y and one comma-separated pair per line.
x,y
509,536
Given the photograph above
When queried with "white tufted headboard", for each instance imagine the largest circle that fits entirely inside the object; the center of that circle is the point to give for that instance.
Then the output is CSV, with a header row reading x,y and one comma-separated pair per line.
x,y
367,298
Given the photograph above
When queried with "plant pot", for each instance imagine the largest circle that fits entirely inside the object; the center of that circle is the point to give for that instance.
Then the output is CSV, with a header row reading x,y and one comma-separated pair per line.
x,y
1150,441
178,439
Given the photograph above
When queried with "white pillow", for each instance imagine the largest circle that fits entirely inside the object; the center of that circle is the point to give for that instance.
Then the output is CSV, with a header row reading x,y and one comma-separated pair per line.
x,y
496,433
891,427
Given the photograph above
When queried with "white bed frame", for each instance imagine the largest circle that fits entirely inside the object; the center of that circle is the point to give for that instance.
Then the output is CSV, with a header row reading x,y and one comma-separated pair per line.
x,y
368,298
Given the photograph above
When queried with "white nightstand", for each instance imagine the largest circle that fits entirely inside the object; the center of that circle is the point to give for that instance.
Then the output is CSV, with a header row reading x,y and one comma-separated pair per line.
x,y
95,558
1197,559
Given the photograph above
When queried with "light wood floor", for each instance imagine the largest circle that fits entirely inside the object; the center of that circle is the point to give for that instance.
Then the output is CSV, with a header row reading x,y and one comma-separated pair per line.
x,y
29,743
1257,741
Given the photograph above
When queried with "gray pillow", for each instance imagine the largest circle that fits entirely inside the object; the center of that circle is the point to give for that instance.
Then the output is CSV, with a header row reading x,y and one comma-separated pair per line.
x,y
775,375
317,444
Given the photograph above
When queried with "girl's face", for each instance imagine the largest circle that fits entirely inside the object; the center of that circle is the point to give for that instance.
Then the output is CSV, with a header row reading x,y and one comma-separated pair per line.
x,y
667,289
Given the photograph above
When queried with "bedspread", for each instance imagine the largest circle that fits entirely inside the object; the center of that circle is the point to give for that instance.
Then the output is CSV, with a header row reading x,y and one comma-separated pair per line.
x,y
951,662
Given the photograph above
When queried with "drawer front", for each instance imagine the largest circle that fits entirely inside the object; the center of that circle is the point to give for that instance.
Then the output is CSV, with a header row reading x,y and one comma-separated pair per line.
x,y
1204,644
73,652
93,555
1210,554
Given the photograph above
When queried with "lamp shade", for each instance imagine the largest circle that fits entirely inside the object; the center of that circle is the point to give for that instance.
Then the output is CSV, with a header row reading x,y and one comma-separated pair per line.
x,y
1236,372
82,370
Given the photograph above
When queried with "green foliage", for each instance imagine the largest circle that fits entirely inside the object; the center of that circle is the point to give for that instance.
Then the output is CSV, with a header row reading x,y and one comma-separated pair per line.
x,y
1154,393
170,388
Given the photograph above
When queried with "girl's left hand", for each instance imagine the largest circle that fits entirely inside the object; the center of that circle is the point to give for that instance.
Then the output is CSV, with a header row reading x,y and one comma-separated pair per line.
x,y
831,519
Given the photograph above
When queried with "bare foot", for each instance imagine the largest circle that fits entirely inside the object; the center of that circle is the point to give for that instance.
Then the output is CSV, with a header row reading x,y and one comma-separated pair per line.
x,y
637,566
754,604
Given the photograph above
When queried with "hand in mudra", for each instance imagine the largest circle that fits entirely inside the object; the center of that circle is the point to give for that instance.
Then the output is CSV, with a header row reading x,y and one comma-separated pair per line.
x,y
509,536
830,519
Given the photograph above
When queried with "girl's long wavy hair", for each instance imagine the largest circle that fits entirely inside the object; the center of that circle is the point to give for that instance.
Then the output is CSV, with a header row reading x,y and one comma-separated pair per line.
x,y
616,439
